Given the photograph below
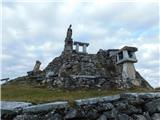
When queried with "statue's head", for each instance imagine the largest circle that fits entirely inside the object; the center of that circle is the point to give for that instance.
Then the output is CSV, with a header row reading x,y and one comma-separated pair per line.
x,y
70,26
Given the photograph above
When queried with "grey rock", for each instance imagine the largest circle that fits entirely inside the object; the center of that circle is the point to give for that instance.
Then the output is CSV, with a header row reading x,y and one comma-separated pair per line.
x,y
124,117
136,101
141,95
133,109
121,105
112,114
45,107
71,113
27,117
157,95
96,100
9,105
49,115
108,106
153,106
7,114
105,106
156,116
102,117
111,98
91,114
129,95
147,116
139,117
126,108
56,116
149,95
10,109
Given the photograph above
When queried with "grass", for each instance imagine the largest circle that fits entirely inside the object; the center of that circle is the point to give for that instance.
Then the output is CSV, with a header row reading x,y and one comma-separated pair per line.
x,y
27,93
41,94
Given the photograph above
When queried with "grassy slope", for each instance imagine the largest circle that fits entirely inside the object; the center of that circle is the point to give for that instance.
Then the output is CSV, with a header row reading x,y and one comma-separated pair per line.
x,y
23,89
40,94
28,93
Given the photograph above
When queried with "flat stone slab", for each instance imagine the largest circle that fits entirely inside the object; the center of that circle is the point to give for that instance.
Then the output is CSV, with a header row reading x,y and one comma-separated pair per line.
x,y
141,95
45,107
9,105
97,100
83,76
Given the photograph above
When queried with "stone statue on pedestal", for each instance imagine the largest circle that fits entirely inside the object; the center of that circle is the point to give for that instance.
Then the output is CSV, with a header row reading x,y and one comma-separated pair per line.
x,y
69,32
68,40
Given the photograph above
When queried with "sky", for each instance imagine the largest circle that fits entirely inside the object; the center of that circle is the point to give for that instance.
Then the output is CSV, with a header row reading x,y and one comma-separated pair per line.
x,y
36,29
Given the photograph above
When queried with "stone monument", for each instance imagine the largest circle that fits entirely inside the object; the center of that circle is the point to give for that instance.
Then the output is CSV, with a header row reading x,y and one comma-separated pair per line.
x,y
107,69
37,66
84,46
126,56
68,47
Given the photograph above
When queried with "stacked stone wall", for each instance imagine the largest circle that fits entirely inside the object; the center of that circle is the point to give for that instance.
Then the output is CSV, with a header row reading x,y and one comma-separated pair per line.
x,y
127,106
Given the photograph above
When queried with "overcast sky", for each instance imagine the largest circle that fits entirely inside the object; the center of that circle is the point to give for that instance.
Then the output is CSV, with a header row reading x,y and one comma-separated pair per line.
x,y
36,31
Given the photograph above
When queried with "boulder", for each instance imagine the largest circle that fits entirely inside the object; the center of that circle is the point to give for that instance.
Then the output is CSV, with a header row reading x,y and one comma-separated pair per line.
x,y
27,117
102,117
71,113
10,109
153,106
9,105
138,117
149,95
104,106
8,115
97,100
112,114
91,114
56,116
126,108
50,114
156,116
129,95
124,117
141,95
147,116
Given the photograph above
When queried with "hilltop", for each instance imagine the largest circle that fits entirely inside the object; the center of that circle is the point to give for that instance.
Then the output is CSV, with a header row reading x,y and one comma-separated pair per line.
x,y
75,69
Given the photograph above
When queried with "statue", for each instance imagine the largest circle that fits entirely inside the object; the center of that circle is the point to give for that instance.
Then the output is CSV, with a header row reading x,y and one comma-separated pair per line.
x,y
68,40
37,66
69,32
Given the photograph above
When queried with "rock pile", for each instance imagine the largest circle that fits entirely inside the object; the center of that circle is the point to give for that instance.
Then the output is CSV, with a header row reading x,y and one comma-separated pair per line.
x,y
88,71
127,106
107,69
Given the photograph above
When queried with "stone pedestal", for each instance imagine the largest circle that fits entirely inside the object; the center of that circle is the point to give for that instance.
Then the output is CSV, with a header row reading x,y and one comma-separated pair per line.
x,y
77,47
128,71
84,48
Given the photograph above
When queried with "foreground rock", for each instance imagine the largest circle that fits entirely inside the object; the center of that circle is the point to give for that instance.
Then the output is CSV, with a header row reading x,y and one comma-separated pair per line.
x,y
96,100
45,107
128,106
8,105
10,109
